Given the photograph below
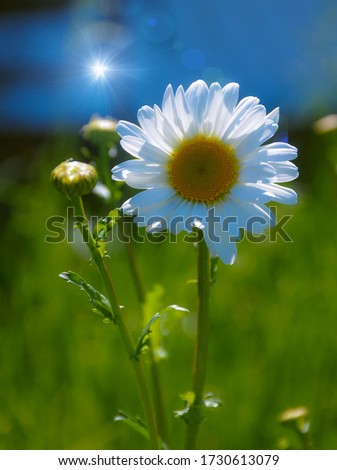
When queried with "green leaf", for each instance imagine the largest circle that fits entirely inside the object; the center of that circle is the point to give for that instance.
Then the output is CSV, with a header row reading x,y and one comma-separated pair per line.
x,y
153,303
143,339
194,412
187,397
103,229
168,318
169,315
134,423
186,414
100,303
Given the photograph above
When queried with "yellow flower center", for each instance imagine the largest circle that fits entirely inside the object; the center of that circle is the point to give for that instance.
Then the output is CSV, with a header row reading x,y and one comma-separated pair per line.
x,y
203,169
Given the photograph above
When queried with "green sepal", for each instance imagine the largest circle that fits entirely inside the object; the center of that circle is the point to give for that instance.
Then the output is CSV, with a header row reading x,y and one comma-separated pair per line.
x,y
101,304
135,423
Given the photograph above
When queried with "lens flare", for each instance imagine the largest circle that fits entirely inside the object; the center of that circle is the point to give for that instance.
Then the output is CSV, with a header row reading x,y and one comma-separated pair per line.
x,y
99,70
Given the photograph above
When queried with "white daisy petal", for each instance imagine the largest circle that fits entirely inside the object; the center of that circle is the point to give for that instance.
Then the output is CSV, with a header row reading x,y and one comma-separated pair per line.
x,y
147,198
262,193
229,99
253,119
253,217
230,96
147,120
139,167
243,107
238,114
256,138
223,246
214,110
184,113
279,193
285,171
125,128
157,211
224,218
203,162
199,214
275,152
160,216
144,150
274,115
196,96
181,217
260,172
170,109
171,132
141,175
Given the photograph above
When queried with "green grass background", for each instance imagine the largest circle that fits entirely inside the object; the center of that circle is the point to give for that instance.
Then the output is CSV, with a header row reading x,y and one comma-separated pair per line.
x,y
273,343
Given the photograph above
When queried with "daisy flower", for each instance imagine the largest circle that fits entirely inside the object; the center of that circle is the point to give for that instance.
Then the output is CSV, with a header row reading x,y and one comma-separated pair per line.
x,y
202,162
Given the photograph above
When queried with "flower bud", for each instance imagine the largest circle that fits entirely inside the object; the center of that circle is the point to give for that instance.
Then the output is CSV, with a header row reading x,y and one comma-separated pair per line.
x,y
74,178
326,124
298,418
100,131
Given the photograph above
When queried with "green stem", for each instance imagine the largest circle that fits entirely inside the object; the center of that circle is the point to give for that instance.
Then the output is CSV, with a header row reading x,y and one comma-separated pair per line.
x,y
124,228
104,169
119,320
103,162
158,398
201,345
125,233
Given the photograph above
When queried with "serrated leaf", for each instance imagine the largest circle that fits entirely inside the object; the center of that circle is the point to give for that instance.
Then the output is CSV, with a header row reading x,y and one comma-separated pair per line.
x,y
104,226
135,423
100,303
168,317
153,303
143,339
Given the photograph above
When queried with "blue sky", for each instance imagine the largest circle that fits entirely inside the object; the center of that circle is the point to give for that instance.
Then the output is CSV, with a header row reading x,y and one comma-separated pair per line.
x,y
285,52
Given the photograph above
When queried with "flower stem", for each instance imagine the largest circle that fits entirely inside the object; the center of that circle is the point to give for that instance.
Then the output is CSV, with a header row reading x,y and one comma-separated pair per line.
x,y
158,398
125,233
119,320
201,345
126,236
104,170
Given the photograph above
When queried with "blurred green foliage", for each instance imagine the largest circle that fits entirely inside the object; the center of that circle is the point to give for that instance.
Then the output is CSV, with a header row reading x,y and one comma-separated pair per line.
x,y
64,374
